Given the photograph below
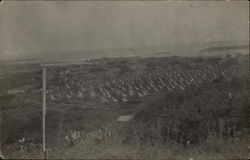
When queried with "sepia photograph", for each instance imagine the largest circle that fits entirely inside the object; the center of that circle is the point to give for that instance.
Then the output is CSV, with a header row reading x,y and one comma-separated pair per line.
x,y
124,80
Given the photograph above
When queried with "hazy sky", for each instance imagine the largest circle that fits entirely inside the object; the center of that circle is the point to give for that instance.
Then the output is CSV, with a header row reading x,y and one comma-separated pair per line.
x,y
34,28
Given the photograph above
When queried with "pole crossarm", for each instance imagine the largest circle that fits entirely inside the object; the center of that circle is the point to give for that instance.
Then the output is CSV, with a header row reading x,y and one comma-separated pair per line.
x,y
64,63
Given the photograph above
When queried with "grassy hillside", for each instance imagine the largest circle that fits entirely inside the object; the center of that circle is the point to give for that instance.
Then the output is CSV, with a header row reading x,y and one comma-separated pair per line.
x,y
205,121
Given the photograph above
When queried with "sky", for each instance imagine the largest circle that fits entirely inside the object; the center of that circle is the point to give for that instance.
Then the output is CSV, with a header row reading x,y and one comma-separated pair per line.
x,y
33,28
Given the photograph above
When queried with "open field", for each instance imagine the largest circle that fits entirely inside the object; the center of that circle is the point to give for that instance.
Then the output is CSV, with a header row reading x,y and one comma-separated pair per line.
x,y
181,107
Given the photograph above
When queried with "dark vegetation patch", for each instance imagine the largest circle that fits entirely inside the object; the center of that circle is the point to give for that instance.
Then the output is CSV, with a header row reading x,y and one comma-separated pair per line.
x,y
220,108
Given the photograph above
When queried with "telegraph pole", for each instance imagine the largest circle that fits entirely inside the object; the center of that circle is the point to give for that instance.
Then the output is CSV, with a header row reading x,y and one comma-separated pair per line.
x,y
44,112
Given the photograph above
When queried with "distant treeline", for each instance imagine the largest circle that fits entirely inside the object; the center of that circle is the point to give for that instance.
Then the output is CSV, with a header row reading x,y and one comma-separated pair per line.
x,y
225,48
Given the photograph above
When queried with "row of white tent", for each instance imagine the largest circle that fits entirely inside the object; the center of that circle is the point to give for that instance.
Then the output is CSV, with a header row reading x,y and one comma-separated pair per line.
x,y
123,89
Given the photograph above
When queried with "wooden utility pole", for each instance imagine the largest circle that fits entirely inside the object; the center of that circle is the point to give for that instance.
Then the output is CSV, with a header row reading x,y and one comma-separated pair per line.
x,y
44,67
44,112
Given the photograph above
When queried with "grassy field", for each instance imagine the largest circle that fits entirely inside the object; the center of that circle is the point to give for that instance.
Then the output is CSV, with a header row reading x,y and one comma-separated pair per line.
x,y
208,121
212,148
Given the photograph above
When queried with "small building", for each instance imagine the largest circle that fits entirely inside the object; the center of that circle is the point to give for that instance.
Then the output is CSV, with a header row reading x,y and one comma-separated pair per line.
x,y
124,118
15,91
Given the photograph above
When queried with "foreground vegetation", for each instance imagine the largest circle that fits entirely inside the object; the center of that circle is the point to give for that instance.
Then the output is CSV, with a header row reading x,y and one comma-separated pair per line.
x,y
212,148
208,121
